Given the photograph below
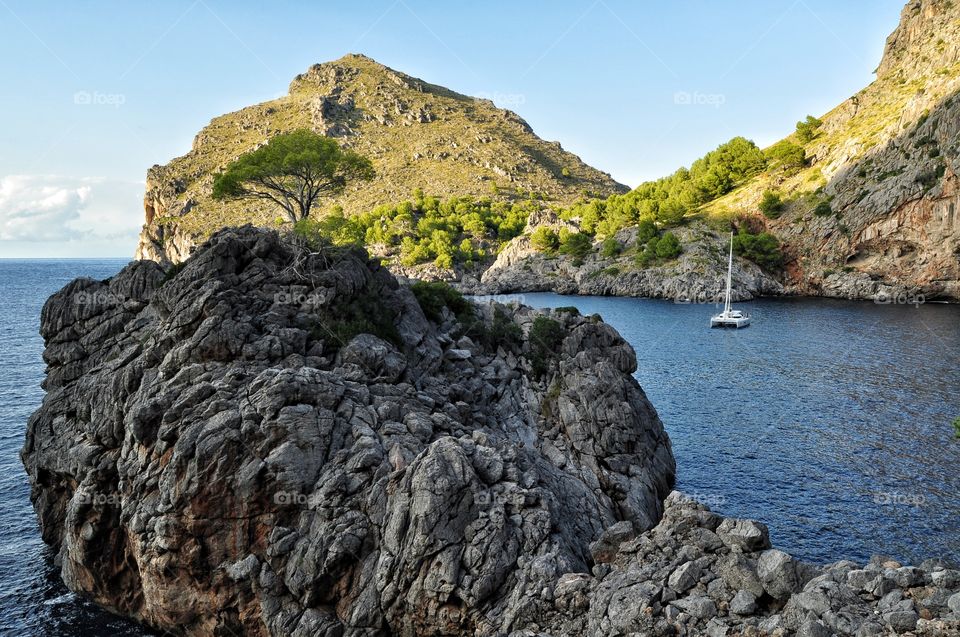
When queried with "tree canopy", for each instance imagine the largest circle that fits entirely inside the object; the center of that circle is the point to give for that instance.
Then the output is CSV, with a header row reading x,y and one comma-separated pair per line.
x,y
292,170
667,200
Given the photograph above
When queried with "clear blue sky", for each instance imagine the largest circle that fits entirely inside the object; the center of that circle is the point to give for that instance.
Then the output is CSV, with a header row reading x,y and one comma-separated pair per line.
x,y
601,76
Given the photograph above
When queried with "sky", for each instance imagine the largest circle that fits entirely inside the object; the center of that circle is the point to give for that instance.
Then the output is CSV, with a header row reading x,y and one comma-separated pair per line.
x,y
94,93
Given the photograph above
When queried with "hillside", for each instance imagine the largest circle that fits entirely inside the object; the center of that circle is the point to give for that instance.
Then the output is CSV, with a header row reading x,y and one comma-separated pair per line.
x,y
862,201
885,162
417,135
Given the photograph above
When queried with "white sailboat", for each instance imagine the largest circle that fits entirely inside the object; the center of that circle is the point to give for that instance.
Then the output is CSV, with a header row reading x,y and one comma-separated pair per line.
x,y
730,317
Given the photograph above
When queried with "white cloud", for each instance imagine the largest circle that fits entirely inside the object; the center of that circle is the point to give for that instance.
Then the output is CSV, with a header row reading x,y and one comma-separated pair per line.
x,y
40,208
48,208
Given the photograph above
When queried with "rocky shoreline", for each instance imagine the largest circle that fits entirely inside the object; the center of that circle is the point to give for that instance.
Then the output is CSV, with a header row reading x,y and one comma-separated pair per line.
x,y
278,439
697,573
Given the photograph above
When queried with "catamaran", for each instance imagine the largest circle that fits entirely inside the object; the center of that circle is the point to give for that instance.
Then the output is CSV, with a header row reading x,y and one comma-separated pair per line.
x,y
730,317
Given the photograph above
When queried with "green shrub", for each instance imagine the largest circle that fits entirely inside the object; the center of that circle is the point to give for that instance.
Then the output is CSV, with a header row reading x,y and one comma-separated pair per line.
x,y
567,309
544,239
545,338
503,332
646,230
668,246
771,205
361,314
433,296
787,155
823,209
956,427
763,248
808,129
575,244
648,255
610,247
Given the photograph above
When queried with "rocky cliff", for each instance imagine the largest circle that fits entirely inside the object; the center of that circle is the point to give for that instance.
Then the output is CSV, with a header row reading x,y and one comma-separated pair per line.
x,y
418,135
872,215
276,439
885,162
698,275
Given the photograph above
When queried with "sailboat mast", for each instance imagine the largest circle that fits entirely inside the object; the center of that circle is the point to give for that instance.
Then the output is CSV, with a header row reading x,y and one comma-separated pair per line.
x,y
726,306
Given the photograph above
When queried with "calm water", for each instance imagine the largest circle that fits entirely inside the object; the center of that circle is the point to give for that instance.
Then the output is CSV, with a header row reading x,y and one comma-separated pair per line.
x,y
828,420
33,600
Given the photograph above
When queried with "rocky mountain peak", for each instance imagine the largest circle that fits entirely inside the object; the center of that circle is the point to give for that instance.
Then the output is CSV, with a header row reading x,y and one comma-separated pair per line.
x,y
925,41
417,135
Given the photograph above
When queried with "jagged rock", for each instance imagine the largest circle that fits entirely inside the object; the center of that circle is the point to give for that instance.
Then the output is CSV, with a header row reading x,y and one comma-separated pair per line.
x,y
743,603
748,535
778,574
685,577
220,452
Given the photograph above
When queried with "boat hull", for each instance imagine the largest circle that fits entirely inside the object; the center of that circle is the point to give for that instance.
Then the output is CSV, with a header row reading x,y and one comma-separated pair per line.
x,y
727,321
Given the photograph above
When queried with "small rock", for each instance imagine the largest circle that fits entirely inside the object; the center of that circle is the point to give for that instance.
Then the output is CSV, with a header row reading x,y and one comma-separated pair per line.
x,y
748,535
879,586
778,574
684,577
716,628
859,578
902,620
743,603
812,628
954,603
605,549
946,579
699,606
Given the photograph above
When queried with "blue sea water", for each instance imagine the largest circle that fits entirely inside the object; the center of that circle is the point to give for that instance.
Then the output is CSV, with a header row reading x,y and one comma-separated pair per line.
x,y
828,420
33,600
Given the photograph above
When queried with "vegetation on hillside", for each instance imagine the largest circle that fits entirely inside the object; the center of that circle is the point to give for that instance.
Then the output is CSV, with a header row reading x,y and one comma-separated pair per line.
x,y
427,229
668,200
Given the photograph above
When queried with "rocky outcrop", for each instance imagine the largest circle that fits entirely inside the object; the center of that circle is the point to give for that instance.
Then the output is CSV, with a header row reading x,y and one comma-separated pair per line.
x,y
885,162
698,275
698,573
276,440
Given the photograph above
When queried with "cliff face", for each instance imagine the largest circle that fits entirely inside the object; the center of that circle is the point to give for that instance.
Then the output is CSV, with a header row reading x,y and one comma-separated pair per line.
x,y
886,162
417,135
228,448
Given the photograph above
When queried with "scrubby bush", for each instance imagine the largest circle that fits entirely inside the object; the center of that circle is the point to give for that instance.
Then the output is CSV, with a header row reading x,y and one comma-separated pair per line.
x,y
787,155
762,248
808,129
575,244
646,230
823,209
771,205
435,295
610,248
545,337
668,246
544,239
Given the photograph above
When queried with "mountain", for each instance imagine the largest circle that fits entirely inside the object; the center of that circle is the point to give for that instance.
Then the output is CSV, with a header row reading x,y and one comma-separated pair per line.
x,y
865,198
417,135
885,161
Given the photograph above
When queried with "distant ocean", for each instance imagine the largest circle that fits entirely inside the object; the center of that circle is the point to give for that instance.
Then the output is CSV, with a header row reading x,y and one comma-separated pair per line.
x,y
33,600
